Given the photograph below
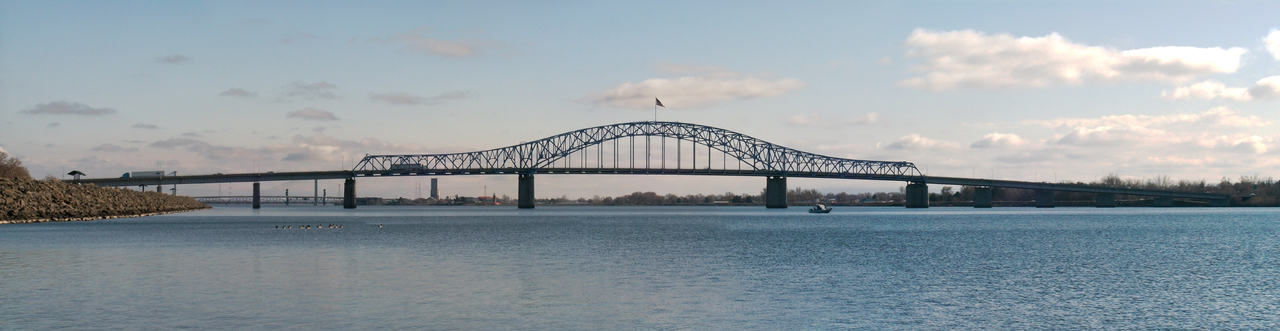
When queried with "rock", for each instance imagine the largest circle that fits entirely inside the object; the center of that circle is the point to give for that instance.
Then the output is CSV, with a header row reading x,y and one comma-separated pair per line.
x,y
26,200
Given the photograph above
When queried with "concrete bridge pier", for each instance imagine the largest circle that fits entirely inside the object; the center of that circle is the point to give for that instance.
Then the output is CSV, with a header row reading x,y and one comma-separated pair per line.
x,y
1163,202
1044,198
917,195
1105,200
982,197
525,191
775,191
349,194
257,196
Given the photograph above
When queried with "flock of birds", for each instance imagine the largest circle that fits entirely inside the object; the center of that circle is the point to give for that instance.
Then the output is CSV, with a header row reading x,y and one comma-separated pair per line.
x,y
308,226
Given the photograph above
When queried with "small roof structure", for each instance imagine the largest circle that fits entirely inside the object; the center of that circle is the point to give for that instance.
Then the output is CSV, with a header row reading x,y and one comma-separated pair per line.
x,y
76,174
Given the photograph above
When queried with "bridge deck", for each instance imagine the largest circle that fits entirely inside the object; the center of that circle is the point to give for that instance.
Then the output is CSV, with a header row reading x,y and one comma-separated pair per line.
x,y
311,175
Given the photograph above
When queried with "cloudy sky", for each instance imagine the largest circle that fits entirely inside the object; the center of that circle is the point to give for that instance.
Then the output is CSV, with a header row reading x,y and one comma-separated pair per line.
x,y
1028,90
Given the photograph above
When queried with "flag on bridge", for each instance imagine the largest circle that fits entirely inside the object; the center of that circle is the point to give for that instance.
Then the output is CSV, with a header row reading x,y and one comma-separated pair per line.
x,y
659,102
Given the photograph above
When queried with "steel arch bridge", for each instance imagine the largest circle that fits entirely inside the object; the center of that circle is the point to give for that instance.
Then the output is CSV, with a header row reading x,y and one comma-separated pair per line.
x,y
602,149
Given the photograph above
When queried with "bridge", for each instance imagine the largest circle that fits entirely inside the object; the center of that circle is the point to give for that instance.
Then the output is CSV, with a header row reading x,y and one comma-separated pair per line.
x,y
660,148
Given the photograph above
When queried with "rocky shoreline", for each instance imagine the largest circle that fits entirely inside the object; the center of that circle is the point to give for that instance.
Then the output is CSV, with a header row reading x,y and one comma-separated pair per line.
x,y
34,201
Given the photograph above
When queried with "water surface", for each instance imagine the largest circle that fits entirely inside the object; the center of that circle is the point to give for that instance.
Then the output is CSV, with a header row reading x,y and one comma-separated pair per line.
x,y
696,268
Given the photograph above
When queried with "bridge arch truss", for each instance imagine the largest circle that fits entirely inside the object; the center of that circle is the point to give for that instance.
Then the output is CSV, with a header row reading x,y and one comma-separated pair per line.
x,y
614,149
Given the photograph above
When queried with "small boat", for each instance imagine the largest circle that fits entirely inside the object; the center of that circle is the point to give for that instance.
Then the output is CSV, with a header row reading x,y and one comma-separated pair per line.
x,y
820,209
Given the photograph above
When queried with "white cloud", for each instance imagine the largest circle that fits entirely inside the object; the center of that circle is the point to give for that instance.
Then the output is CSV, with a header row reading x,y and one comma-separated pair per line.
x,y
416,42
998,140
67,108
972,59
915,142
1208,90
817,121
1221,116
694,91
141,125
173,59
1272,42
238,92
312,114
1218,128
1265,88
406,99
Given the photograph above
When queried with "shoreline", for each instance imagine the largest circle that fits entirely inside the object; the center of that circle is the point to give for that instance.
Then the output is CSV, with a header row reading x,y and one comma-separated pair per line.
x,y
94,218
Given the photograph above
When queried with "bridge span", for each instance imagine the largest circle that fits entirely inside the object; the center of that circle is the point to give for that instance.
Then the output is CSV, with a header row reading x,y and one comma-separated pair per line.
x,y
659,148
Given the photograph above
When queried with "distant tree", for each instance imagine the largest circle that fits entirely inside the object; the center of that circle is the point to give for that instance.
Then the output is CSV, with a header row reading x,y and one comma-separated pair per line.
x,y
11,167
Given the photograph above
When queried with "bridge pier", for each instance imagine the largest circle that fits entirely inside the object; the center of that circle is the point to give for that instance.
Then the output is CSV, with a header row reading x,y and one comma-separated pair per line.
x,y
349,194
917,195
982,197
257,196
775,191
1105,200
1044,198
1163,202
525,191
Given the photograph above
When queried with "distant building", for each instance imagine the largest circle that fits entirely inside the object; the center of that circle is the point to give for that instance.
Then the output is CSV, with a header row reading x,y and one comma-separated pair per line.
x,y
435,191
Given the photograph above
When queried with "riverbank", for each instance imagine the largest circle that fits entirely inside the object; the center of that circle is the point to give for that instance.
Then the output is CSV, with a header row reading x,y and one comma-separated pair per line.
x,y
33,201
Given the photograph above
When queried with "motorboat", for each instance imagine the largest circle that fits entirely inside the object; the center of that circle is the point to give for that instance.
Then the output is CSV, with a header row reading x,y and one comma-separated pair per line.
x,y
820,209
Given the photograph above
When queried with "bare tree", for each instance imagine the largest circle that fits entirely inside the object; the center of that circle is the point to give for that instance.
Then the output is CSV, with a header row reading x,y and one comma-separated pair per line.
x,y
11,167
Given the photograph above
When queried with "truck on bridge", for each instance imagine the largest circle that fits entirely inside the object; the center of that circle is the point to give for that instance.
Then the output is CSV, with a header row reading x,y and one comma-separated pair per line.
x,y
143,174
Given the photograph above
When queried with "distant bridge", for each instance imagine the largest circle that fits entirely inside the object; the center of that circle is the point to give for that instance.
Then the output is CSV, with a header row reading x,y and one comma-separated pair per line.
x,y
661,148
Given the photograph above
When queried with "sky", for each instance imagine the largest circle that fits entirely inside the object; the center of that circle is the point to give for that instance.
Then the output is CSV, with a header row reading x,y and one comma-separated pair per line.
x,y
1019,90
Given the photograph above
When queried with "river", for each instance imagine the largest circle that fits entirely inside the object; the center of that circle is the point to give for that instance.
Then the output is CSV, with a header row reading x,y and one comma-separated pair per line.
x,y
680,268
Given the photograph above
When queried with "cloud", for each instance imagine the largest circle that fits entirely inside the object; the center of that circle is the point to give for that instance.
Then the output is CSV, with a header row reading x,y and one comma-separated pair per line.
x,y
1218,128
406,99
817,121
416,42
1266,88
113,148
310,91
972,59
53,125
141,125
173,59
175,142
238,92
1220,116
916,142
67,108
312,114
190,134
1272,42
694,91
998,140
317,147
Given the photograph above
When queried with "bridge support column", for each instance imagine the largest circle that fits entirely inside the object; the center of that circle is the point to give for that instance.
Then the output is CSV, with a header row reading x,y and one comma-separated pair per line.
x,y
1105,200
286,197
158,188
257,196
1044,198
917,195
525,191
775,191
982,197
1163,202
1219,203
349,194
